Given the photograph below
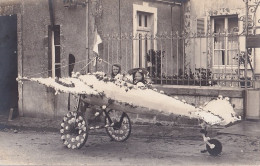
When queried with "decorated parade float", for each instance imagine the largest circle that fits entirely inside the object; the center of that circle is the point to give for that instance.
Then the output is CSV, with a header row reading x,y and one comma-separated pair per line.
x,y
115,97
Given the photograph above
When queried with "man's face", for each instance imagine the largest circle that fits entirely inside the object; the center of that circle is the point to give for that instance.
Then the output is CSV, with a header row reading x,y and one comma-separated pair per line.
x,y
115,70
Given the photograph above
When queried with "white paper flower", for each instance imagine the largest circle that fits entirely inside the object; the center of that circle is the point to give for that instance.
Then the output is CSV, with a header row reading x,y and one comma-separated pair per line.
x,y
62,124
140,84
227,98
73,120
97,113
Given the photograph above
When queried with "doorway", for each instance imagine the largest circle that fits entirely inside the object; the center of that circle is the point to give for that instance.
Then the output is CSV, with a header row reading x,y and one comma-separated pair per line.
x,y
8,64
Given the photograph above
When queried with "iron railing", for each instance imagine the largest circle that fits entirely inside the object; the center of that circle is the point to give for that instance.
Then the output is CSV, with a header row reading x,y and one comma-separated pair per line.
x,y
211,59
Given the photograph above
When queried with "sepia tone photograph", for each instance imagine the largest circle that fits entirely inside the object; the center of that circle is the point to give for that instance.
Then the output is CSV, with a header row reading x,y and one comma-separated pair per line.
x,y
129,82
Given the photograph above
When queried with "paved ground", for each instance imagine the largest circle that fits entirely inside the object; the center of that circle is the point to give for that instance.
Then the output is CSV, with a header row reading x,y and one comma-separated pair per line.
x,y
148,145
245,128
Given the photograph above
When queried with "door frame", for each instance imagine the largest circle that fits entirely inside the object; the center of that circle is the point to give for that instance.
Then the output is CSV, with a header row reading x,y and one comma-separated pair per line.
x,y
16,9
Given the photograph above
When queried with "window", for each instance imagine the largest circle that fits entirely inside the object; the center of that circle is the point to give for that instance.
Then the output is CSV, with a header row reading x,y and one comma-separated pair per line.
x,y
225,40
143,30
55,63
144,25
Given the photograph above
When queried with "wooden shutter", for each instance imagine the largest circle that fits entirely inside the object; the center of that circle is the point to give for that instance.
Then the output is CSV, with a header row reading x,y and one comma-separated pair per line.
x,y
200,26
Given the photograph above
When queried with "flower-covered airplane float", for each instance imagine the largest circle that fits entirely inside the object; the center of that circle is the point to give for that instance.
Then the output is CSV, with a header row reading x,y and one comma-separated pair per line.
x,y
116,96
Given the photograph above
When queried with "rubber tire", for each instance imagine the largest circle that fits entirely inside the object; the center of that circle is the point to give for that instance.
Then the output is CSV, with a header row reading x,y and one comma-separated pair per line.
x,y
111,135
65,133
217,149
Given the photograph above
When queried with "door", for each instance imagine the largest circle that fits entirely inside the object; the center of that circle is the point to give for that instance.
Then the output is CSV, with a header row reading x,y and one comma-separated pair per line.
x,y
8,64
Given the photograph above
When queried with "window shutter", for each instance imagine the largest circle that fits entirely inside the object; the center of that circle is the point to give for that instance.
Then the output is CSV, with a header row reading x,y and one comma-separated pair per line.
x,y
200,26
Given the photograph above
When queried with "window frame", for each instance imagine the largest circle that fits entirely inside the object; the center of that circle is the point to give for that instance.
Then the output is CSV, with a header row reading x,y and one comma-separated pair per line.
x,y
152,28
226,36
55,48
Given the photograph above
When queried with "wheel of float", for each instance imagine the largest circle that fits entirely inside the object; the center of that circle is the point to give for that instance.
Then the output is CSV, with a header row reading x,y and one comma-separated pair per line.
x,y
217,149
74,130
116,131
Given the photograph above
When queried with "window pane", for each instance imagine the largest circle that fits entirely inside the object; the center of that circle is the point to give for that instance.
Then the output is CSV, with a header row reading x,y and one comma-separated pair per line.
x,y
57,71
57,54
140,50
219,43
233,42
56,35
231,57
219,57
232,50
140,19
219,25
145,20
232,23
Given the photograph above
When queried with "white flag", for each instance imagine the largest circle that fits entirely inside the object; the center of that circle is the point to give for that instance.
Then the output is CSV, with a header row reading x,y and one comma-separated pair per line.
x,y
97,41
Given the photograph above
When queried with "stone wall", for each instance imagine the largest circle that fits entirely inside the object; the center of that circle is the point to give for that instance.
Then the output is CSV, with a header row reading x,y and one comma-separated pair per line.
x,y
198,96
38,100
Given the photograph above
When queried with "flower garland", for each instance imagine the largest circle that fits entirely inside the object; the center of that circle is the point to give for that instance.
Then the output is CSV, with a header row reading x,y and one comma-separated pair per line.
x,y
83,86
124,81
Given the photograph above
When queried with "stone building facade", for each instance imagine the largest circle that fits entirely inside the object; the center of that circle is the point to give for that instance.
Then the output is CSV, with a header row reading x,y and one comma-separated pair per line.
x,y
50,31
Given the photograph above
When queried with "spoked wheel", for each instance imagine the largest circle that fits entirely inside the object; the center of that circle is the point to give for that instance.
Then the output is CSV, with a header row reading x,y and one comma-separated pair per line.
x,y
217,149
120,128
74,130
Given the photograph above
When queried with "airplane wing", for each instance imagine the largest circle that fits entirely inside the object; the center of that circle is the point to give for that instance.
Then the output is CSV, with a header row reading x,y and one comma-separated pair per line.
x,y
130,98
